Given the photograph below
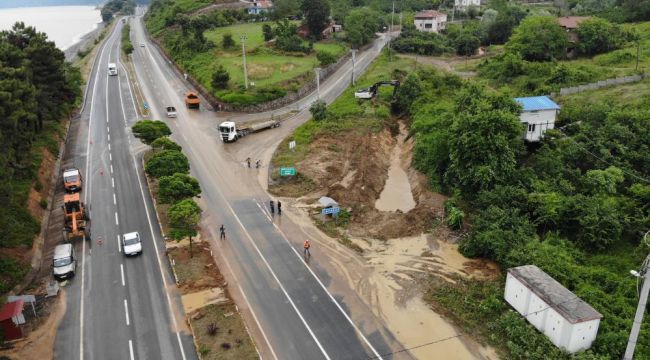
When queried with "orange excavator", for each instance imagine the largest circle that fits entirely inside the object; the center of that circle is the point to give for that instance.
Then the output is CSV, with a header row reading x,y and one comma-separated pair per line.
x,y
77,222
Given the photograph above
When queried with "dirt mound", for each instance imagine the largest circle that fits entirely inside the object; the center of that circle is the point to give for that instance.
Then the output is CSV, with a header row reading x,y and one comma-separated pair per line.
x,y
352,169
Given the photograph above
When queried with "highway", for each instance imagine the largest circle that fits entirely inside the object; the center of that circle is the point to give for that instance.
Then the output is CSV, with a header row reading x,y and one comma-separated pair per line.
x,y
295,309
118,307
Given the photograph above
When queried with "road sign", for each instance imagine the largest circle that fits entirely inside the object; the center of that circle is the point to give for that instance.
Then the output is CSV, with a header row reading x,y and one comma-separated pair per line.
x,y
331,210
287,171
292,144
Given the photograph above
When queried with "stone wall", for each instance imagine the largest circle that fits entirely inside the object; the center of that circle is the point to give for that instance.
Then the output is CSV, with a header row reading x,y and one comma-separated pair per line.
x,y
601,84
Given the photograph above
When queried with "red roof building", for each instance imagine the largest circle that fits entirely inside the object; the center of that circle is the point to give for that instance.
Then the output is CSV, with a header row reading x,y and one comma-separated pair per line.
x,y
11,317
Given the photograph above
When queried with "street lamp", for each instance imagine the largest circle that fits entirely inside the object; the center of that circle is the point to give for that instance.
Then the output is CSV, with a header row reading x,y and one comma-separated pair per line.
x,y
317,70
243,38
354,52
640,309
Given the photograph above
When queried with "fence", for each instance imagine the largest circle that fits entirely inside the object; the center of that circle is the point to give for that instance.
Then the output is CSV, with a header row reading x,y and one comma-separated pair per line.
x,y
600,84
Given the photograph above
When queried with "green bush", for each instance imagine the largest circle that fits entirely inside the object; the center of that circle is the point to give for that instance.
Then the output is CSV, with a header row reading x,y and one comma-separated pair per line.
x,y
165,143
150,130
177,187
325,58
167,163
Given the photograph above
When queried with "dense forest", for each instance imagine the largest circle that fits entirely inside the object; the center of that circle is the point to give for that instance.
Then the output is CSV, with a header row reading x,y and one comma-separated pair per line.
x,y
37,90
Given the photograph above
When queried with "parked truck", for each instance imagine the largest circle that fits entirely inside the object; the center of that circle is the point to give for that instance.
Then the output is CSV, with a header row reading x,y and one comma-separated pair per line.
x,y
229,131
72,180
76,220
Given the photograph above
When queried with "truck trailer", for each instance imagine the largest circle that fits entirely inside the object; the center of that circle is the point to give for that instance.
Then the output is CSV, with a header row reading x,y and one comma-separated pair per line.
x,y
230,132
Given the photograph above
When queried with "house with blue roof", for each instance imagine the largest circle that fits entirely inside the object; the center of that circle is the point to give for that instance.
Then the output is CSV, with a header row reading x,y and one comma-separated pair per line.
x,y
538,114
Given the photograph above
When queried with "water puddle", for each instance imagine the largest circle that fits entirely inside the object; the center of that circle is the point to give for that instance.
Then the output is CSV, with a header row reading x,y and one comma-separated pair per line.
x,y
397,194
200,299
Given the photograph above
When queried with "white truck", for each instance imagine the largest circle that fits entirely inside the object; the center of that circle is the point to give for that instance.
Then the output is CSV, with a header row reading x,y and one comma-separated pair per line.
x,y
230,132
112,69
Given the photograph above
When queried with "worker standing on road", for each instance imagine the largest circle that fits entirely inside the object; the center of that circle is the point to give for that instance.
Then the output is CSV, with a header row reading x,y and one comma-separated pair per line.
x,y
248,161
279,208
306,247
271,206
222,229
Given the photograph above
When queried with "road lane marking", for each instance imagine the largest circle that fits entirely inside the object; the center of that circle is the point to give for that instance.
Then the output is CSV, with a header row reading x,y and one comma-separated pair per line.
x,y
301,258
122,271
111,168
109,147
110,157
119,245
131,349
112,182
117,222
114,200
108,129
109,137
83,243
277,280
155,244
126,311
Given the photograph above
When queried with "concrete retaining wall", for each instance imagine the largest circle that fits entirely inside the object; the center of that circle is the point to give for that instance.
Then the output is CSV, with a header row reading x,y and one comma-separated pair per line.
x,y
601,84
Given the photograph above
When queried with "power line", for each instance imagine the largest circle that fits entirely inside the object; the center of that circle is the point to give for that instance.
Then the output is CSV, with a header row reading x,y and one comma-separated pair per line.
x,y
415,347
601,159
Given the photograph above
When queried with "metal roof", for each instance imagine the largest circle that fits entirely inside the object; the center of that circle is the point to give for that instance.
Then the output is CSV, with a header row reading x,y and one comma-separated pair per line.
x,y
566,303
535,103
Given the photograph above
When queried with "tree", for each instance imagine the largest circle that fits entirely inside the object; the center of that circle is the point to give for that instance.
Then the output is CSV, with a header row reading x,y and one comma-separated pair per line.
x,y
284,8
167,163
325,58
318,110
149,130
466,44
317,16
507,18
220,78
184,217
598,36
486,136
408,92
172,189
165,143
361,25
267,32
227,41
539,38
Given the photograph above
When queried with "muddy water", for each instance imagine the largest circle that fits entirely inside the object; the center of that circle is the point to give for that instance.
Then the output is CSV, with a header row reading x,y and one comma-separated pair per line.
x,y
398,298
397,194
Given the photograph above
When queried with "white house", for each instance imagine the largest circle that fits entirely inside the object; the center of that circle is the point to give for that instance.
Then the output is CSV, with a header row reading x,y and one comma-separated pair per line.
x,y
569,322
539,114
461,4
430,21
257,7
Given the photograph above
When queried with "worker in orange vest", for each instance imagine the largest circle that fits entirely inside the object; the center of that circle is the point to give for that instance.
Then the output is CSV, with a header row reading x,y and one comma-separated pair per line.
x,y
306,246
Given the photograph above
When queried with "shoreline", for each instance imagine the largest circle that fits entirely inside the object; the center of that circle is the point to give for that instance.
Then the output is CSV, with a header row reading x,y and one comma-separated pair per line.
x,y
86,39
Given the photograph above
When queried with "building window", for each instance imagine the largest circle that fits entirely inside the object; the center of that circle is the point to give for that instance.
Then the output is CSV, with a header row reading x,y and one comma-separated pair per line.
x,y
531,127
427,26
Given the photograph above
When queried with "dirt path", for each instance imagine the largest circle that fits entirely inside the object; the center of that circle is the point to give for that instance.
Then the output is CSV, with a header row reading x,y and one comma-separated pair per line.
x,y
445,64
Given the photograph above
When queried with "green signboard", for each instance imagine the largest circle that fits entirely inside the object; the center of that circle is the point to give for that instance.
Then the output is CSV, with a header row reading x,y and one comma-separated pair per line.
x,y
287,171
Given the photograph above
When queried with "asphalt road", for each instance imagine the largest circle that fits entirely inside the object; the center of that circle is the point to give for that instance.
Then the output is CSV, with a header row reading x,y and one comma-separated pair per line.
x,y
296,309
118,307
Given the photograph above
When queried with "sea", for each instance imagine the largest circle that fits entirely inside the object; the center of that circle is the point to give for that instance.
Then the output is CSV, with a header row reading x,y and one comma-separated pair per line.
x,y
64,21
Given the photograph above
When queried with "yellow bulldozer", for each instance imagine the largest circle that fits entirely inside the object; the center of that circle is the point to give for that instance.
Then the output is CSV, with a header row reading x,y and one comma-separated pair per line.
x,y
77,222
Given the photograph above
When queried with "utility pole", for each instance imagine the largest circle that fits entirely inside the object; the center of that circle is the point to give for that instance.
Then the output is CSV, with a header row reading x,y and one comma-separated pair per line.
x,y
243,38
317,70
354,52
638,48
390,36
640,309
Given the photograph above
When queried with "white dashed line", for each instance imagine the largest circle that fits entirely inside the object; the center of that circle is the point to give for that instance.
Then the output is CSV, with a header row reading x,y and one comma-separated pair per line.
x,y
109,147
109,137
111,168
117,222
110,157
108,129
114,199
131,349
122,271
119,246
126,311
112,182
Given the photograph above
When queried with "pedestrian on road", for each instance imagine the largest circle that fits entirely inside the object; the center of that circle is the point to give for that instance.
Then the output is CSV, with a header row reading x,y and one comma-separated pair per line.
x,y
306,247
222,229
248,160
279,208
271,206
257,164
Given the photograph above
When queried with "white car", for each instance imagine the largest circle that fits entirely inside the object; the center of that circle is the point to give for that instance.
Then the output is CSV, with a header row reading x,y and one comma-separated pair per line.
x,y
363,94
64,261
131,244
142,45
171,112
